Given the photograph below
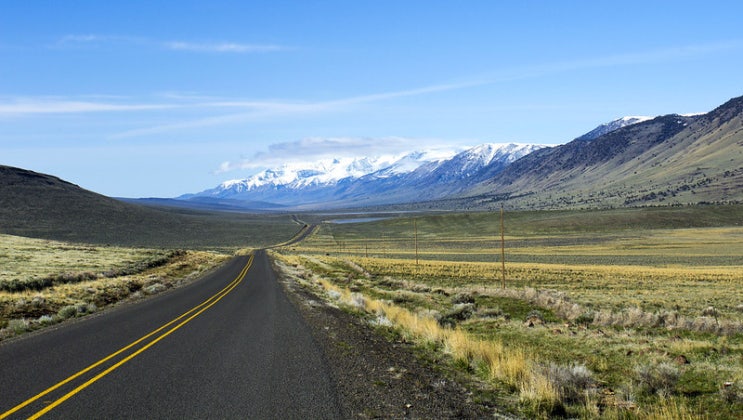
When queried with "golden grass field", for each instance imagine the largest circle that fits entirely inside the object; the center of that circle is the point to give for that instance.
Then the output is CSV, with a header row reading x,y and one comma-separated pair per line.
x,y
82,278
610,322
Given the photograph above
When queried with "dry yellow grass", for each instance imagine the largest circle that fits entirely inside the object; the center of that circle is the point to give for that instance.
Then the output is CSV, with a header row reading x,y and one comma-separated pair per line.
x,y
505,364
641,293
24,258
687,290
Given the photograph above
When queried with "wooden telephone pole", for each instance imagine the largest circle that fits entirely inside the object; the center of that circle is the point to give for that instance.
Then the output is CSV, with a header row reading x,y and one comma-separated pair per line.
x,y
502,248
415,227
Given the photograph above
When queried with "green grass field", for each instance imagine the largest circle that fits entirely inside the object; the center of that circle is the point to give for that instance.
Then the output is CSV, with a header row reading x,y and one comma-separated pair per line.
x,y
634,313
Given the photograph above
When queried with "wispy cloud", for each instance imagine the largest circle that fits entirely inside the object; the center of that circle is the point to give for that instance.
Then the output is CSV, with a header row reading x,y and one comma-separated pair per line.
x,y
18,106
257,110
222,47
95,40
318,148
79,38
662,55
31,106
99,40
251,110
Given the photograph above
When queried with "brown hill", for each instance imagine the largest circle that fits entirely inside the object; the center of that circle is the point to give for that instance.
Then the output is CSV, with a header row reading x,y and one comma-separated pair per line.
x,y
670,160
44,206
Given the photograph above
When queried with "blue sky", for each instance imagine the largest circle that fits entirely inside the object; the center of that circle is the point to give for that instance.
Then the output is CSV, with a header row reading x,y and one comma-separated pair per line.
x,y
148,98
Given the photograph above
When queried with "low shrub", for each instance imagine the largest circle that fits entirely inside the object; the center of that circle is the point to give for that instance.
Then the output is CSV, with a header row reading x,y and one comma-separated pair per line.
x,y
534,317
731,392
19,326
460,298
154,288
46,320
658,379
575,383
586,318
459,312
68,311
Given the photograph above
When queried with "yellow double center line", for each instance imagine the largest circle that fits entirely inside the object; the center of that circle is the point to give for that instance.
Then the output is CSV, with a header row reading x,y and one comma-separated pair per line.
x,y
180,321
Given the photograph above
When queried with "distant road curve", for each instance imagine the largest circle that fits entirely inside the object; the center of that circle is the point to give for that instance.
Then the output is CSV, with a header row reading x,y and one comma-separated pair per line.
x,y
229,345
305,231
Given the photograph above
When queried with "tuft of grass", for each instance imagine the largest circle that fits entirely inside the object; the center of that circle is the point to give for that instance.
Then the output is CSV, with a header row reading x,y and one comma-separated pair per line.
x,y
18,326
68,311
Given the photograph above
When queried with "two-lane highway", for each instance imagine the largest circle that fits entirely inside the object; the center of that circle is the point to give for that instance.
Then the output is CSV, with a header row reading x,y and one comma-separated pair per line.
x,y
230,345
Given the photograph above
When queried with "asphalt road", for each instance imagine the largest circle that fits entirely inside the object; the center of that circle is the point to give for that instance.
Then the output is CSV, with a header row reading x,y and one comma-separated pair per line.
x,y
229,345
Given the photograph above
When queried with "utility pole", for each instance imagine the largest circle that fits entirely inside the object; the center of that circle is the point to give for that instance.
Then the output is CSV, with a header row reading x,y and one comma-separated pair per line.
x,y
502,247
415,227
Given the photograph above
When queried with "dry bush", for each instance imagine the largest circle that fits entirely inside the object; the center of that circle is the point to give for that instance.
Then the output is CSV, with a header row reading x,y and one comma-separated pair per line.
x,y
731,392
574,383
659,379
462,298
459,312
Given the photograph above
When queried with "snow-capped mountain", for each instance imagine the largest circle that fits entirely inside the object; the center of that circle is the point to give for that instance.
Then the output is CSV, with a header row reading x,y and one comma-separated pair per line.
x,y
323,174
470,162
613,126
406,177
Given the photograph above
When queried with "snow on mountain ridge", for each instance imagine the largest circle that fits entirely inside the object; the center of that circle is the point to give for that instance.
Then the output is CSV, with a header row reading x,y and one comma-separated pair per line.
x,y
613,126
485,154
329,172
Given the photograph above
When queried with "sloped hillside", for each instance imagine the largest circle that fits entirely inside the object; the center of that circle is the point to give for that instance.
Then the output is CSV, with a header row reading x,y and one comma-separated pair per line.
x,y
669,160
44,206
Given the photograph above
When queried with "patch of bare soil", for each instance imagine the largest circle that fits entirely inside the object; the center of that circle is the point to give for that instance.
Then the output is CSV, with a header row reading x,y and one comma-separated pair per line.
x,y
380,376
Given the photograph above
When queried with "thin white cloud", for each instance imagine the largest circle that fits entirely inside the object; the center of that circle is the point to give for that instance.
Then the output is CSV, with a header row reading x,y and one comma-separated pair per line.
x,y
252,111
31,106
97,40
257,110
224,47
79,38
663,55
54,105
318,148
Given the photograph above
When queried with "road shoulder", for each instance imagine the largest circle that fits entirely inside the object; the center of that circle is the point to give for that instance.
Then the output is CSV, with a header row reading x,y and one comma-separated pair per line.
x,y
378,376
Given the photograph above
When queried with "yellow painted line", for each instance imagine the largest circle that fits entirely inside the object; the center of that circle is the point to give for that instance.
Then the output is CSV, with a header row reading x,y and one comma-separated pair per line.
x,y
204,306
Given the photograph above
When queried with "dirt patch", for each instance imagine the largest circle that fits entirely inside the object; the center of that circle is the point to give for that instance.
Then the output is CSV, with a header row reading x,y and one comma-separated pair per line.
x,y
378,376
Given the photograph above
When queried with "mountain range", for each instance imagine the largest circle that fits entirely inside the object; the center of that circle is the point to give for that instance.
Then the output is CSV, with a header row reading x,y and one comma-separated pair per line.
x,y
661,161
344,182
638,160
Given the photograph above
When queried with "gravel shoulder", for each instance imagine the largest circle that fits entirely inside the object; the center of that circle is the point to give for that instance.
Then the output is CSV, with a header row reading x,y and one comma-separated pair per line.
x,y
380,375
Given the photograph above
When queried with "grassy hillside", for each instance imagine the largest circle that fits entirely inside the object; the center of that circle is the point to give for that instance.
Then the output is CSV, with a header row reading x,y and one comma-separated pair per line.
x,y
42,206
671,160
